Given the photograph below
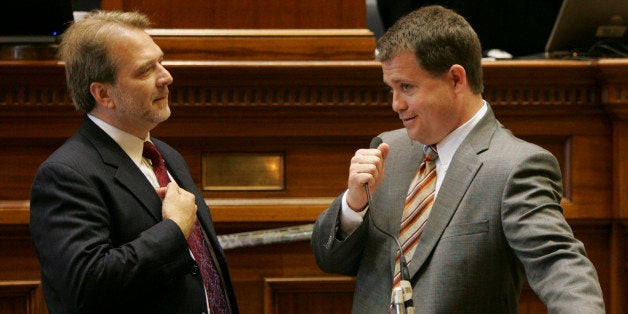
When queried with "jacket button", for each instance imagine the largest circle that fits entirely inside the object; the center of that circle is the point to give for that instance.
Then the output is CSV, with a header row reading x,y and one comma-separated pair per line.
x,y
195,270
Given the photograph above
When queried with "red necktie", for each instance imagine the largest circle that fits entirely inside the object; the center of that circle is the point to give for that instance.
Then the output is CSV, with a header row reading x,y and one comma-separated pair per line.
x,y
198,247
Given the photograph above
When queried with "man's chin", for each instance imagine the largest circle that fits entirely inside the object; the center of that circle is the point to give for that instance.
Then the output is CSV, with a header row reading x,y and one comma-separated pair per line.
x,y
414,136
165,109
166,114
162,114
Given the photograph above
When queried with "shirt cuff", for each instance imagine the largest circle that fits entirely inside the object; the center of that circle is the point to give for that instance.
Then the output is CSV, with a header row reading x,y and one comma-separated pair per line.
x,y
350,219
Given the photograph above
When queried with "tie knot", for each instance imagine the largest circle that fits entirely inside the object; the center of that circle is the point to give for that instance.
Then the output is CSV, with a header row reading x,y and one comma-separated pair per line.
x,y
159,166
430,152
151,152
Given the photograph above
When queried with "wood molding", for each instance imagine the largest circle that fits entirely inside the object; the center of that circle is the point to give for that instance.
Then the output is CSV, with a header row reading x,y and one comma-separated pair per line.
x,y
21,297
292,210
615,87
510,85
281,210
282,294
265,44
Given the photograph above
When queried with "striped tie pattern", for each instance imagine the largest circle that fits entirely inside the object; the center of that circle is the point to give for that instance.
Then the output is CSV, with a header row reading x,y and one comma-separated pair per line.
x,y
417,208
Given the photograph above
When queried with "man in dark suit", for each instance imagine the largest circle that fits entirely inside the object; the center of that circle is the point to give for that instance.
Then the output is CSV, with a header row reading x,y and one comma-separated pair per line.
x,y
490,216
109,230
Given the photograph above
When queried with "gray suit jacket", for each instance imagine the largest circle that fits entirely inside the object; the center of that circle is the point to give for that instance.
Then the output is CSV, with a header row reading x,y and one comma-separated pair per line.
x,y
496,221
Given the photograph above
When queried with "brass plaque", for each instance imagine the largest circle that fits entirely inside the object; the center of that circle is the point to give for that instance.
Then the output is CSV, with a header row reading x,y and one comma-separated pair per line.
x,y
242,172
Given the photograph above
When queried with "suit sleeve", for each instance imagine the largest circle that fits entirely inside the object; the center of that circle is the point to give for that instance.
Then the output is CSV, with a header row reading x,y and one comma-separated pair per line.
x,y
555,262
72,232
333,254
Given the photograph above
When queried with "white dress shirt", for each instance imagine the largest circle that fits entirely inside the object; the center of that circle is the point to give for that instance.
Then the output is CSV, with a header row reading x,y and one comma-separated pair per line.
x,y
351,220
132,146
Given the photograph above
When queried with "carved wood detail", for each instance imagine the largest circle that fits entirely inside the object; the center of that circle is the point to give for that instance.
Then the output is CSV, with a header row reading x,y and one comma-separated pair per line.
x,y
318,112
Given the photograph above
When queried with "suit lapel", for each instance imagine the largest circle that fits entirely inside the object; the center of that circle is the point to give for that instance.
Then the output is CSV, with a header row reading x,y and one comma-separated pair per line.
x,y
460,174
459,177
127,172
403,169
127,175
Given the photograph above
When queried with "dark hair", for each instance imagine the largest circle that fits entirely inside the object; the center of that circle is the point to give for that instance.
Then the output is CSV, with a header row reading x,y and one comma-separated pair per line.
x,y
439,38
85,50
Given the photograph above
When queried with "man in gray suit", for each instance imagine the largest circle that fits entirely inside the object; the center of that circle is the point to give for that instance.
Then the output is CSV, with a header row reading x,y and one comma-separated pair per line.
x,y
496,218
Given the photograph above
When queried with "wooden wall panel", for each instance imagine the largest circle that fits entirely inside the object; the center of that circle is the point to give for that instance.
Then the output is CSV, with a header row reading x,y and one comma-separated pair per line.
x,y
308,295
317,113
21,297
251,14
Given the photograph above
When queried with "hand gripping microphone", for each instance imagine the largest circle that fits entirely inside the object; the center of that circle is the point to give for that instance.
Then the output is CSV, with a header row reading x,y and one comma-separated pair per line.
x,y
402,302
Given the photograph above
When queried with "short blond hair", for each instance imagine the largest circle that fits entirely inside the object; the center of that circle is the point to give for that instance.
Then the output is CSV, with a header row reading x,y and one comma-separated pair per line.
x,y
84,49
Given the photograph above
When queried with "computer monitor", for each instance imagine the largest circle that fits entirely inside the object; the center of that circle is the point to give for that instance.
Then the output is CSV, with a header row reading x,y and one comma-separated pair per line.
x,y
589,29
34,21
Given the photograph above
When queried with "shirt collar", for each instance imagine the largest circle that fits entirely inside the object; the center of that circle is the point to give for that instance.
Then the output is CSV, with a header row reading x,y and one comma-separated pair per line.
x,y
448,146
131,144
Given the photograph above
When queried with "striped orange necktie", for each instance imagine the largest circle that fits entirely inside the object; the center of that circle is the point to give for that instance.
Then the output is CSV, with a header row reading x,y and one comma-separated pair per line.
x,y
417,208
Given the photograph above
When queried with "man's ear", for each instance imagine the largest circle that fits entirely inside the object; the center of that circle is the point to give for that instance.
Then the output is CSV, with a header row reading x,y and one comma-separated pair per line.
x,y
458,76
101,93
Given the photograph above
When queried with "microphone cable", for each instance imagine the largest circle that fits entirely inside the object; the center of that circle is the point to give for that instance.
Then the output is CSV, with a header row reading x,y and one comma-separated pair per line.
x,y
402,260
406,288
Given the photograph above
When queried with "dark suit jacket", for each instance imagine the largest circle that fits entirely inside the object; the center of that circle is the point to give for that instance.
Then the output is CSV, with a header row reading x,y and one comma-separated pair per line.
x,y
99,234
496,221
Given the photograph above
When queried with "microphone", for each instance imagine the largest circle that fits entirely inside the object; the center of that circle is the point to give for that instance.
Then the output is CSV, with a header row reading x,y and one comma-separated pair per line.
x,y
375,142
402,295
